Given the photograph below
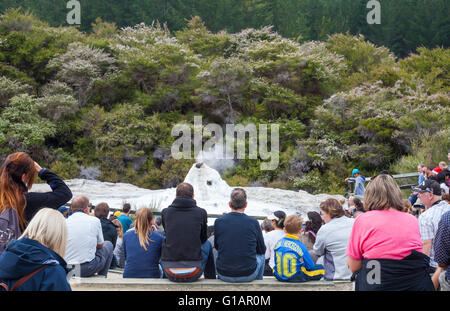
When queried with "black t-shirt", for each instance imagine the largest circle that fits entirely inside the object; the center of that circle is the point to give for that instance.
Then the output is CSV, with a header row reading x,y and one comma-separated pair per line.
x,y
238,239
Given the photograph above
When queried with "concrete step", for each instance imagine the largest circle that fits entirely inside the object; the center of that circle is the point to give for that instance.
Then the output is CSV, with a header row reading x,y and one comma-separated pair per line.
x,y
117,283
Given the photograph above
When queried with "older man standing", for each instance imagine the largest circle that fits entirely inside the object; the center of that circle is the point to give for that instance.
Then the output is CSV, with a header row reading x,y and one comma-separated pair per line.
x,y
85,243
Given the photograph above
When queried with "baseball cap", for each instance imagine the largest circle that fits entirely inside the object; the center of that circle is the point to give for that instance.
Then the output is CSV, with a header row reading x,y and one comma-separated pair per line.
x,y
431,186
117,213
277,215
273,217
63,209
355,171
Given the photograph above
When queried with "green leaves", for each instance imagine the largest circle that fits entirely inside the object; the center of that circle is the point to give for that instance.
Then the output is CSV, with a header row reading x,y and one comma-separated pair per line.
x,y
80,67
432,66
21,127
110,98
224,84
10,88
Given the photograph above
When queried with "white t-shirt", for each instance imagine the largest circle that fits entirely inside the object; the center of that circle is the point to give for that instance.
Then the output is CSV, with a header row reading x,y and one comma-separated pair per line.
x,y
270,239
84,234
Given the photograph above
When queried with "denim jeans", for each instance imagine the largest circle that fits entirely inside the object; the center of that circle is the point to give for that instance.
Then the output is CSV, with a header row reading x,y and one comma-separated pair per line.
x,y
257,275
207,266
101,263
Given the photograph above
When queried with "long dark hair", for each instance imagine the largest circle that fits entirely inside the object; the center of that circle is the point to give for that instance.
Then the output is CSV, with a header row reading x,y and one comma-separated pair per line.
x,y
313,225
12,187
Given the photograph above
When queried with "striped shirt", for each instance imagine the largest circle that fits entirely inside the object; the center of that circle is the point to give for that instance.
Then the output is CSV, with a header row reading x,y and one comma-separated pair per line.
x,y
428,225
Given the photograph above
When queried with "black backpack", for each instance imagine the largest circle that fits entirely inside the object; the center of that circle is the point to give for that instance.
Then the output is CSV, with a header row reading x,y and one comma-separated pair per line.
x,y
9,227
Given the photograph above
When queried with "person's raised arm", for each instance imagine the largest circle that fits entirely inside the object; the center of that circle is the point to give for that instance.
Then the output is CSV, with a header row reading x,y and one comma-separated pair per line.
x,y
59,195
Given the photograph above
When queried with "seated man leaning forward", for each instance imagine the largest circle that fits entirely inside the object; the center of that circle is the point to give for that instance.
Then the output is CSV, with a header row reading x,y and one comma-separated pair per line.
x,y
85,243
239,243
186,253
293,262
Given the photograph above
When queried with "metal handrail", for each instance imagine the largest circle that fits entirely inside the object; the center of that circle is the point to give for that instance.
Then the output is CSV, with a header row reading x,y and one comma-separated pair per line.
x,y
351,183
158,213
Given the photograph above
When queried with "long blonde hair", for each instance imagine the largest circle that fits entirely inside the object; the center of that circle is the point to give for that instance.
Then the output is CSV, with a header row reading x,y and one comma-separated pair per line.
x,y
119,227
49,228
142,226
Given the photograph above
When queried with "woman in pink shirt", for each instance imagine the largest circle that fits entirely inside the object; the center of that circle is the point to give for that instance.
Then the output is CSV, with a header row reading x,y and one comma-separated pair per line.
x,y
389,235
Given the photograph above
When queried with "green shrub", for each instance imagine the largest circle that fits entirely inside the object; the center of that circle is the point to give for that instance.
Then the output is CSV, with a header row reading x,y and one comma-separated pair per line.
x,y
237,181
431,66
65,170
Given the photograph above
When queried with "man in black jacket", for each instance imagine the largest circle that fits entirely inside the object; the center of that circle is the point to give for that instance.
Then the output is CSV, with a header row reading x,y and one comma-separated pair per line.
x,y
186,252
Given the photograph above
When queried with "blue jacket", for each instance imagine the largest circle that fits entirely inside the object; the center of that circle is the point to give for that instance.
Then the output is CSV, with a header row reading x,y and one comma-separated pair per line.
x,y
23,256
359,185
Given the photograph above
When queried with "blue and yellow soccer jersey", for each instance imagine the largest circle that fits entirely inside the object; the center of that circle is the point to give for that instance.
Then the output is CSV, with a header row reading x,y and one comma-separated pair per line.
x,y
293,262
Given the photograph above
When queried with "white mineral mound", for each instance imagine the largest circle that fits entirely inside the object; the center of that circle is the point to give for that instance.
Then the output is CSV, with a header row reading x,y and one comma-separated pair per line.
x,y
210,191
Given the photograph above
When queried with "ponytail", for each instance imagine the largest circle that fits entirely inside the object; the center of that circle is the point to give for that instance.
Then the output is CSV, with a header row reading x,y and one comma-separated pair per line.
x,y
280,223
278,217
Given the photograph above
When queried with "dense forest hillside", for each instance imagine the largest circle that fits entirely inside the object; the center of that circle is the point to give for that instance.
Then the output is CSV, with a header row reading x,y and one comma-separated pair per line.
x,y
103,103
404,24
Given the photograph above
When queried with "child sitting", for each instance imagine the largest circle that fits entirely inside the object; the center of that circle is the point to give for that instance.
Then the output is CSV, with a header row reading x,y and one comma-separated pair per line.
x,y
293,263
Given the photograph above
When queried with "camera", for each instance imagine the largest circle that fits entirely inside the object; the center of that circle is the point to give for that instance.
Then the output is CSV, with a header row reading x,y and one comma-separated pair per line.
x,y
416,209
417,205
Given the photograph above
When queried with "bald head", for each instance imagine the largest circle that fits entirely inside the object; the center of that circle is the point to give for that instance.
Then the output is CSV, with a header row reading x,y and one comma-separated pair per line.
x,y
79,203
